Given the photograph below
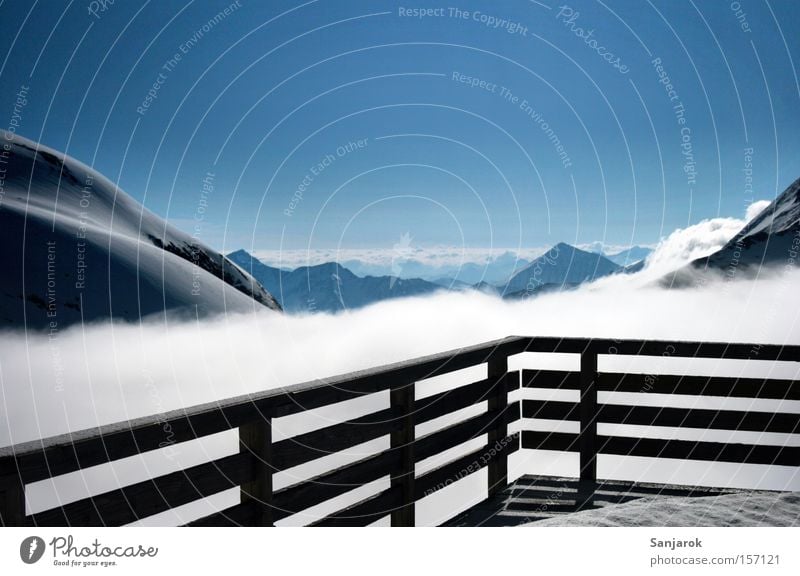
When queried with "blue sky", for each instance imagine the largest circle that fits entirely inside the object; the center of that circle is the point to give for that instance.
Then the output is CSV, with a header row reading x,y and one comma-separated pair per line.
x,y
383,99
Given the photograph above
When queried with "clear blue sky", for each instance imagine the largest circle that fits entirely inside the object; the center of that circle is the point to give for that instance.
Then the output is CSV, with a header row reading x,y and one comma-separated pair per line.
x,y
265,93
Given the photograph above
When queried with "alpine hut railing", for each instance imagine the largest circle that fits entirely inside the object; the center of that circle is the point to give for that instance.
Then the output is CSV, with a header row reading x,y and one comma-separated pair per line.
x,y
259,457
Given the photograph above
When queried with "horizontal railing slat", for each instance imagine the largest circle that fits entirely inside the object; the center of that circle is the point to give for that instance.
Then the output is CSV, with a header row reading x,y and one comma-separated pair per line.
x,y
550,410
243,514
365,512
132,503
707,451
734,420
449,401
551,379
556,441
455,434
461,467
666,348
699,386
308,493
325,441
663,448
700,418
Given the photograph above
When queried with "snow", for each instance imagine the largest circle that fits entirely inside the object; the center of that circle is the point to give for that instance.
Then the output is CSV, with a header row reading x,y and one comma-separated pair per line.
x,y
80,249
745,509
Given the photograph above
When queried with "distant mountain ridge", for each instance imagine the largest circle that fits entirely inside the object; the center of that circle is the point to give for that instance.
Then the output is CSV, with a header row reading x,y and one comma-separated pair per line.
x,y
493,270
328,287
332,287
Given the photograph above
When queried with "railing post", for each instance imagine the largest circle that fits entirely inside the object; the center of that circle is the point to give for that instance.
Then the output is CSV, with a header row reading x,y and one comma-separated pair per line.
x,y
402,404
498,402
12,503
256,438
587,439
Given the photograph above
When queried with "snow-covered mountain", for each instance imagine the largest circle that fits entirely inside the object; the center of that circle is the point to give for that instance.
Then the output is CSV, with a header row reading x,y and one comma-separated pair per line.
x,y
562,265
76,248
328,287
770,239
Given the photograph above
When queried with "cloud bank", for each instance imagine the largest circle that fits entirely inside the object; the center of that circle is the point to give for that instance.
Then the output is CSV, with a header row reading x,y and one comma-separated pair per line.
x,y
98,374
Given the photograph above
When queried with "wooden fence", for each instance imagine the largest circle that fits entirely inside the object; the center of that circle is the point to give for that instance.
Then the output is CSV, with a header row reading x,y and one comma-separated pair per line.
x,y
259,458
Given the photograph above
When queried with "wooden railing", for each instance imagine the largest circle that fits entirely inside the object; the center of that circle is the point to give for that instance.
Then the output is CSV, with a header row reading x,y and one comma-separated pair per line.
x,y
259,458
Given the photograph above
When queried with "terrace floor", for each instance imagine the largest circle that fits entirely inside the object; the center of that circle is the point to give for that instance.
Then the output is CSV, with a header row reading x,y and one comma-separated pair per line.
x,y
550,500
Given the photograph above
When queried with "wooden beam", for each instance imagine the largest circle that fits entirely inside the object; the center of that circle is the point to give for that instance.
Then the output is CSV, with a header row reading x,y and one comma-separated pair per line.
x,y
402,441
587,441
255,439
12,503
498,404
699,386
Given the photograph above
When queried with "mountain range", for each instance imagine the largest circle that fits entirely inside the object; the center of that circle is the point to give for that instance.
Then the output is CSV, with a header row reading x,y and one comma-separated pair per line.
x,y
80,250
332,287
328,287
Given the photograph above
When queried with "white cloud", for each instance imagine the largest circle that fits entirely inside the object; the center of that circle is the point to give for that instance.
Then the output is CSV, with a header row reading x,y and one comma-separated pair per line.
x,y
433,257
113,373
755,209
687,244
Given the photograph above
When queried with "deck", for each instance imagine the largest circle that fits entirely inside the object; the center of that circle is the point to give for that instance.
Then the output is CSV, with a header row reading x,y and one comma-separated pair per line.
x,y
533,498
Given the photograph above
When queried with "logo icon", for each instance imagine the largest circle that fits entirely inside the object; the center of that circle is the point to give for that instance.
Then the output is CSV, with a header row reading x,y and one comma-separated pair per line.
x,y
31,550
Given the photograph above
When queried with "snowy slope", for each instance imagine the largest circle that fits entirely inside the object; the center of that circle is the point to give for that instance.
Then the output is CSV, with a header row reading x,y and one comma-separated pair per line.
x,y
562,265
745,509
77,248
772,238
